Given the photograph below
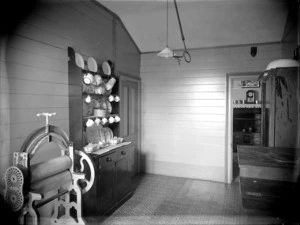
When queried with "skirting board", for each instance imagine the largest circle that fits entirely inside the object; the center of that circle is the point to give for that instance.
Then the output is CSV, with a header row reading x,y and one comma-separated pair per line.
x,y
184,170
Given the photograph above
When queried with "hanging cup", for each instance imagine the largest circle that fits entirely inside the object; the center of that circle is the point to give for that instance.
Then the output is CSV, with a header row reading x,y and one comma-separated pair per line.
x,y
117,118
88,78
97,121
111,119
104,121
117,98
89,123
111,98
97,80
88,99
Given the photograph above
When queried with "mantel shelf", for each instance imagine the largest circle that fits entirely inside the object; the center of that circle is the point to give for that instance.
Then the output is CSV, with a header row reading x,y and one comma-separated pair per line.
x,y
94,117
247,118
246,105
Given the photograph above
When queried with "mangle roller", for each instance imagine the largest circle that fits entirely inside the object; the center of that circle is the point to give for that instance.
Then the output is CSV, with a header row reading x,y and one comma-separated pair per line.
x,y
26,184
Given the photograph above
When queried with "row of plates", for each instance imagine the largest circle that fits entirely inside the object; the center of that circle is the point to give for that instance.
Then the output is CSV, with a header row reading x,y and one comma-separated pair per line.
x,y
92,64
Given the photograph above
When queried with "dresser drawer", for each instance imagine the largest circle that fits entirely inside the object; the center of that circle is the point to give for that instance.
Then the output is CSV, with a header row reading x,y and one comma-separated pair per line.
x,y
123,153
266,194
107,160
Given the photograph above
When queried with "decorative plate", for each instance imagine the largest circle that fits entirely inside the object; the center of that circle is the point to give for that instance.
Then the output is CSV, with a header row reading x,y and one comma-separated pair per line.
x,y
92,135
92,64
101,133
106,68
79,60
108,134
109,107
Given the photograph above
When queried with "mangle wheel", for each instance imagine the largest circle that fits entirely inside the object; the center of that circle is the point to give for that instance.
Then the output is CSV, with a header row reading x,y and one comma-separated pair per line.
x,y
14,180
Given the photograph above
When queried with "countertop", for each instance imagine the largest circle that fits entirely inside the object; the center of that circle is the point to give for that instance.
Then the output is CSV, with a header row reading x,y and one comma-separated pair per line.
x,y
281,164
109,148
267,156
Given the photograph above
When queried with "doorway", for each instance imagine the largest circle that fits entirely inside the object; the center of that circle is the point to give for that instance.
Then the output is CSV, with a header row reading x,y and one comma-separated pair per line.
x,y
237,133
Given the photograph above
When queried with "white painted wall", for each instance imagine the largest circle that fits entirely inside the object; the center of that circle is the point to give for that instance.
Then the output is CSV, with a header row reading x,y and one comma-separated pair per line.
x,y
184,109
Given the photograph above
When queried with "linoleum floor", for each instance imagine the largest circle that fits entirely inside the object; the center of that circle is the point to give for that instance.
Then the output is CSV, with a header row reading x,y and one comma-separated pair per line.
x,y
168,200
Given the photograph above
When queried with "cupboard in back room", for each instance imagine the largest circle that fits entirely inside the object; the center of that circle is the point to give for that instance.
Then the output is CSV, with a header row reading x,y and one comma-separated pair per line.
x,y
246,127
246,120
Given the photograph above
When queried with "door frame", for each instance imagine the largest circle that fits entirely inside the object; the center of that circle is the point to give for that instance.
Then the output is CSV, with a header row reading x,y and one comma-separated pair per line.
x,y
230,77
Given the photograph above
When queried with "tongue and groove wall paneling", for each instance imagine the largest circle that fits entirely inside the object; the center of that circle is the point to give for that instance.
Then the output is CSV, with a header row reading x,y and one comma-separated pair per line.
x,y
34,68
34,65
184,109
33,80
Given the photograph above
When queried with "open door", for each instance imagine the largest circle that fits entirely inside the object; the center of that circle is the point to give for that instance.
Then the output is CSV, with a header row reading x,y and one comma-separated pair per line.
x,y
240,118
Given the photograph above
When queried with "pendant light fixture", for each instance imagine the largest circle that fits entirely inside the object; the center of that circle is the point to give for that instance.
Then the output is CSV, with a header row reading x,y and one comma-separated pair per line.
x,y
167,52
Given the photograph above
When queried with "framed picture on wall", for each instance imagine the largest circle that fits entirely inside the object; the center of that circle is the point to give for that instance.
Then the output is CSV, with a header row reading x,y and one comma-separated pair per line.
x,y
250,84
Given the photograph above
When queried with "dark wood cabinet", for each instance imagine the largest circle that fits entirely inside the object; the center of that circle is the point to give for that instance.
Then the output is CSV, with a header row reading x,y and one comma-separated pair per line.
x,y
112,181
113,164
122,172
280,107
105,183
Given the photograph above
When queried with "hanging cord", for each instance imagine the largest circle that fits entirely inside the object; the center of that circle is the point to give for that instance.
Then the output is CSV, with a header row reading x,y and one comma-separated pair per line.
x,y
167,22
186,54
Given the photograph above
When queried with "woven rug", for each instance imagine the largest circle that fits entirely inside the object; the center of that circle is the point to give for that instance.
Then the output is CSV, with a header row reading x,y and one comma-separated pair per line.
x,y
169,200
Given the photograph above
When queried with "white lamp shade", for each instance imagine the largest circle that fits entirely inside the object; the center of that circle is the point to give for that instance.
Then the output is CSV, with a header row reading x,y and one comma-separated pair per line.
x,y
282,63
166,52
279,63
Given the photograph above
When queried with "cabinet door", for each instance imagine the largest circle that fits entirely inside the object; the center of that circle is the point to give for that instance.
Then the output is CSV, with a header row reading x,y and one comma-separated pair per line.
x,y
106,183
122,173
130,115
122,187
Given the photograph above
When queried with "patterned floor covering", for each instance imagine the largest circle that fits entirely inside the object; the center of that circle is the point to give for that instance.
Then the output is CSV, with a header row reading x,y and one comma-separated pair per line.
x,y
170,200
